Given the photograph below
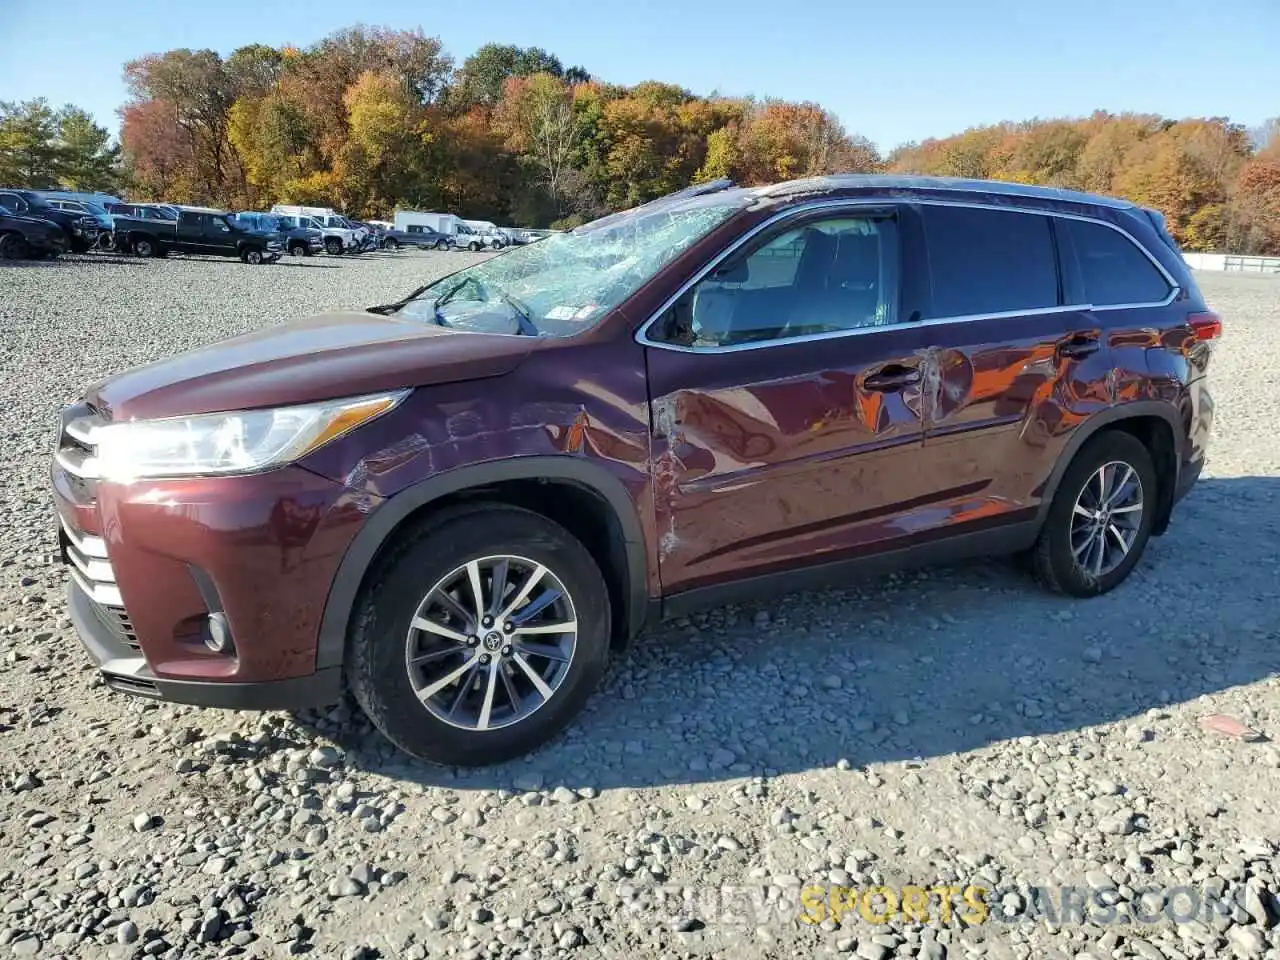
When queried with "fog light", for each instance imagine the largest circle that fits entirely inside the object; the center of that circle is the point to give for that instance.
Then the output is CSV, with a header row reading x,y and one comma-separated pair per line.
x,y
218,636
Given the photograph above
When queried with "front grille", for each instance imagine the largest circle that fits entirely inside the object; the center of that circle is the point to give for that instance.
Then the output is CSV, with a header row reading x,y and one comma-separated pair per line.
x,y
85,554
76,451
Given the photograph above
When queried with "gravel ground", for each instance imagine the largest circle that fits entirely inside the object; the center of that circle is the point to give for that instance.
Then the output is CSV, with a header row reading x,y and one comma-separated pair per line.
x,y
953,727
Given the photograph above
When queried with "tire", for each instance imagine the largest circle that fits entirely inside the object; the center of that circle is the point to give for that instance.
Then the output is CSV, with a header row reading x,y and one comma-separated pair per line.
x,y
473,247
1066,532
333,246
12,246
297,249
396,594
498,245
442,244
144,247
393,245
252,256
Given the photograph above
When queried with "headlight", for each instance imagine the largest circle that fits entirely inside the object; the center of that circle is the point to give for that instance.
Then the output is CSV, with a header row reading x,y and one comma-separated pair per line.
x,y
218,444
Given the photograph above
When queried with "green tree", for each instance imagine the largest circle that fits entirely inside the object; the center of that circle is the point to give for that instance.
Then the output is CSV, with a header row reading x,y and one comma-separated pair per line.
x,y
29,151
87,158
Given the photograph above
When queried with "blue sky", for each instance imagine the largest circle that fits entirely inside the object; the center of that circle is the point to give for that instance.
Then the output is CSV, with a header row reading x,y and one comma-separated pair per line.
x,y
893,70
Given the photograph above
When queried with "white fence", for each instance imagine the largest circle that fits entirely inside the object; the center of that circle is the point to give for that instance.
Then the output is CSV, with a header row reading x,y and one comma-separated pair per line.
x,y
1232,263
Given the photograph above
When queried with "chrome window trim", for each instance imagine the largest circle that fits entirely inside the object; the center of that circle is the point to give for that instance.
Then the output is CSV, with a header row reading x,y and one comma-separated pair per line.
x,y
642,338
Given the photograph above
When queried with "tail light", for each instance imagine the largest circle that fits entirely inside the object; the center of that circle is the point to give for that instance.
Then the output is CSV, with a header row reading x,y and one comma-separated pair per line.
x,y
1206,326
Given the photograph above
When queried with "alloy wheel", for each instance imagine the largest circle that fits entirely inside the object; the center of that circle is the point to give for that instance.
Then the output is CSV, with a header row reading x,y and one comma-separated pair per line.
x,y
1106,518
491,642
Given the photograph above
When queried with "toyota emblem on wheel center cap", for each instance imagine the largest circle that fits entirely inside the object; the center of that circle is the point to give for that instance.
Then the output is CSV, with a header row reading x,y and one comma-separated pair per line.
x,y
492,641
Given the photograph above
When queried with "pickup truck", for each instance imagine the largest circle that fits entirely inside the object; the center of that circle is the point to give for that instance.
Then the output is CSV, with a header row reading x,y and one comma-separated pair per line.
x,y
199,230
81,230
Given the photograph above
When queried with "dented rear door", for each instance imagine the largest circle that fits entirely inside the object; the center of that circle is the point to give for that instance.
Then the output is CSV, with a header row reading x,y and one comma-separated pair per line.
x,y
1013,363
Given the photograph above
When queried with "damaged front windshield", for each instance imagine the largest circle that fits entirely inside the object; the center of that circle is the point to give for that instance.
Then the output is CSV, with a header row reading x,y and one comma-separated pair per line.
x,y
564,284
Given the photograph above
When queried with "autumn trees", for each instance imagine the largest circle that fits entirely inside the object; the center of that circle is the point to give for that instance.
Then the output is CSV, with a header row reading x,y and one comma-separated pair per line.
x,y
1202,174
371,119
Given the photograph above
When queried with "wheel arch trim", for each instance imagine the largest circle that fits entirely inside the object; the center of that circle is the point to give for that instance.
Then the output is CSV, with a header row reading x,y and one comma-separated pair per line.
x,y
383,522
1111,417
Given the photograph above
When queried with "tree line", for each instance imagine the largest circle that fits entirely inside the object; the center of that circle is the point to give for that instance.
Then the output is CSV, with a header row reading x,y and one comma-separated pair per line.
x,y
371,119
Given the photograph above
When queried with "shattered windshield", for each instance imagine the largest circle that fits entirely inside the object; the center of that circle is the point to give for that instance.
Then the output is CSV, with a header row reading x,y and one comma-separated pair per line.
x,y
564,284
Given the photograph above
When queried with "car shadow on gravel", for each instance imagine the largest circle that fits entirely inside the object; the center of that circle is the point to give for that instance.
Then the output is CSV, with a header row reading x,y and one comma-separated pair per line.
x,y
924,664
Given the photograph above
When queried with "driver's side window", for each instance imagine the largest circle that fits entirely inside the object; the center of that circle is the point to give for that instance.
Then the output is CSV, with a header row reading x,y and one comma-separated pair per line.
x,y
823,276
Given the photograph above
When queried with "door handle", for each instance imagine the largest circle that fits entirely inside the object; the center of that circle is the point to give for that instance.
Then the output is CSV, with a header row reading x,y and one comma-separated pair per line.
x,y
895,376
1081,345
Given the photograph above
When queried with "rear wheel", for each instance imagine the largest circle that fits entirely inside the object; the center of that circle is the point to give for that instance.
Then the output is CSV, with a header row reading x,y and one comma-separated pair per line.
x,y
473,247
12,246
333,246
393,244
1101,517
480,636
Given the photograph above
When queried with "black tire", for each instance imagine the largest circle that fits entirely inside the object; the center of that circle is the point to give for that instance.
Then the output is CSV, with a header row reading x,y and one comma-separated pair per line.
x,y
297,249
442,244
12,246
393,245
252,256
473,247
498,245
390,598
1052,558
333,246
144,247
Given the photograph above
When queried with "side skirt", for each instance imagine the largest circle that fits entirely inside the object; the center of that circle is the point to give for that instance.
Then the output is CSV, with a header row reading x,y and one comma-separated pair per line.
x,y
998,541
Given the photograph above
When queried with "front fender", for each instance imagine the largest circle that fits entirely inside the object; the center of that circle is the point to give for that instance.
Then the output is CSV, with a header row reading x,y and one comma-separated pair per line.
x,y
383,522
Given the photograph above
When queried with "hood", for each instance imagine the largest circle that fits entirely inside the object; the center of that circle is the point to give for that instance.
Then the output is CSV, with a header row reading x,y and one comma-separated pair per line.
x,y
325,357
45,222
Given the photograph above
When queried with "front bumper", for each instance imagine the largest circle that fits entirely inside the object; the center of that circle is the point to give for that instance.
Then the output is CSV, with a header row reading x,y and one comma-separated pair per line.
x,y
125,670
206,591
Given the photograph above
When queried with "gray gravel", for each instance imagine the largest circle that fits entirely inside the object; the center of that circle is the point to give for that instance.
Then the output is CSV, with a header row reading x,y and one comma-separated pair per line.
x,y
947,727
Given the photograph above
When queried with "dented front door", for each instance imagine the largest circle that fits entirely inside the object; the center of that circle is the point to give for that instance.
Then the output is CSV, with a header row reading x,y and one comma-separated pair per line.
x,y
794,452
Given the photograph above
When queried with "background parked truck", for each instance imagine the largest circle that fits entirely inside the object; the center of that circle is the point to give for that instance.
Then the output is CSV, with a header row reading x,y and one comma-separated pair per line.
x,y
340,235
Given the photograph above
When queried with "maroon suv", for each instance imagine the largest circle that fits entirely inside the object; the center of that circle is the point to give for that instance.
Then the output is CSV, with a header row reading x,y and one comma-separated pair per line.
x,y
458,504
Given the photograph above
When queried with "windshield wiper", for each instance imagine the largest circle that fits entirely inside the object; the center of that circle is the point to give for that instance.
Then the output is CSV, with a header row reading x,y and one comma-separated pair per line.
x,y
526,324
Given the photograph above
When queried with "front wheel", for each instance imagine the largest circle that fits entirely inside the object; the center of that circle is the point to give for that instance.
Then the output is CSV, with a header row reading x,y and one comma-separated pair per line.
x,y
333,246
12,246
251,256
144,247
479,636
297,249
442,244
1101,517
393,245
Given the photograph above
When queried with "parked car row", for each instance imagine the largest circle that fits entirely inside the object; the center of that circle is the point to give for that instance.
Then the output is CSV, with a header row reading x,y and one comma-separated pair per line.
x,y
40,224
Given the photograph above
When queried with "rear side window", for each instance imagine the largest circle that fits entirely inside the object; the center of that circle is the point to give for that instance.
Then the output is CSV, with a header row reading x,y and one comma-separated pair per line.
x,y
989,261
1112,268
